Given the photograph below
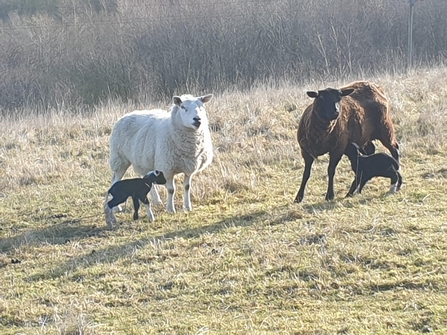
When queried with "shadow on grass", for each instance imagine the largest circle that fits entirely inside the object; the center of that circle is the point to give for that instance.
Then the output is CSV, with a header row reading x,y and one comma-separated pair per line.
x,y
320,206
57,233
112,254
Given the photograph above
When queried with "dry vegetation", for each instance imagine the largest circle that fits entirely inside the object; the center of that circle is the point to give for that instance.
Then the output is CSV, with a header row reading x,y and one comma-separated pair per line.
x,y
65,53
246,260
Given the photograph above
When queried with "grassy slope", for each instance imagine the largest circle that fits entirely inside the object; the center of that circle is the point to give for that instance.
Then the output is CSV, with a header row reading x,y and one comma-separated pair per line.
x,y
246,259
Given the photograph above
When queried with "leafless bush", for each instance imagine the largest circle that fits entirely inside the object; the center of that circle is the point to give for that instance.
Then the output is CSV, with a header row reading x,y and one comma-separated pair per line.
x,y
78,53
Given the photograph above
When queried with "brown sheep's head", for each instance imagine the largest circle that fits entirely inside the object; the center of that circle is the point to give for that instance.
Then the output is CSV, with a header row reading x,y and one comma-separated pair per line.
x,y
327,102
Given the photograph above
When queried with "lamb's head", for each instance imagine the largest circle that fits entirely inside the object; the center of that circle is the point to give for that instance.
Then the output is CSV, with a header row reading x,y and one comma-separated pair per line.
x,y
352,151
156,177
191,110
327,102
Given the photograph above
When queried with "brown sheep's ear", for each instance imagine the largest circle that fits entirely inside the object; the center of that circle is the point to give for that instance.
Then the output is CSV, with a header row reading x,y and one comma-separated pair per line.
x,y
177,100
312,94
346,92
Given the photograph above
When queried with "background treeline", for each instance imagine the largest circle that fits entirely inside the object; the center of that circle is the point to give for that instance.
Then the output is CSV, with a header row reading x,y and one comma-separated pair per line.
x,y
67,53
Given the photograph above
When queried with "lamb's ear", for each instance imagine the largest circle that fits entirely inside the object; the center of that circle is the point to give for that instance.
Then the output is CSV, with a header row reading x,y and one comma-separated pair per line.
x,y
177,100
346,92
156,173
312,94
206,98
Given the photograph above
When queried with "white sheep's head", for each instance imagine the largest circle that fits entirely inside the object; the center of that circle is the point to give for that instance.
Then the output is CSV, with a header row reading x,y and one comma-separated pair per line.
x,y
191,110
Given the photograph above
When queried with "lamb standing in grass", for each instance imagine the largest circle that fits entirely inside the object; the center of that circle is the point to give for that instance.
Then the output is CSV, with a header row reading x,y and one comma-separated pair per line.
x,y
368,167
137,188
174,142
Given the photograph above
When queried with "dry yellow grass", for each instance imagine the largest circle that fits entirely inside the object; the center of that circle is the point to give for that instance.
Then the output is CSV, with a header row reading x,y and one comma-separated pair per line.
x,y
246,260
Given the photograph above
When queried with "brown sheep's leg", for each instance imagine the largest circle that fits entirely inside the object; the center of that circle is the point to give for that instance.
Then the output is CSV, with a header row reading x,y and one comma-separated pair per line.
x,y
394,150
353,188
308,161
387,140
333,162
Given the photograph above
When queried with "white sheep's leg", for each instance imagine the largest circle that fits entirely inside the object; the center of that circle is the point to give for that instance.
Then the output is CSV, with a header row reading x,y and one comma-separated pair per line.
x,y
150,215
117,176
155,196
187,193
110,217
170,186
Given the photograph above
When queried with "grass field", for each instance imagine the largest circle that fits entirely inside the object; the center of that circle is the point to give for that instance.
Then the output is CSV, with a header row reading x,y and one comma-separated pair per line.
x,y
246,260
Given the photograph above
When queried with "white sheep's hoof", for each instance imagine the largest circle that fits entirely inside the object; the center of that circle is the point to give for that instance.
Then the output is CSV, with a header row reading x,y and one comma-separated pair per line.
x,y
110,218
170,210
157,202
155,197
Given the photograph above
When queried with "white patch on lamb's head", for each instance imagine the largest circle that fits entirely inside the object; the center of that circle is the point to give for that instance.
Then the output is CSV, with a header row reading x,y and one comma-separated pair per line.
x,y
191,110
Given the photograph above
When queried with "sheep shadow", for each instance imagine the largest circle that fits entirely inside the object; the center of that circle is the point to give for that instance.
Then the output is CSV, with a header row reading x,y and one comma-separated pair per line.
x,y
112,254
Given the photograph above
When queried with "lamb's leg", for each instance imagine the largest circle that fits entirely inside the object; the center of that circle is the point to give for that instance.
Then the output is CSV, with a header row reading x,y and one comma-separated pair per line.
x,y
354,186
136,207
333,162
155,196
187,193
308,161
171,192
362,184
150,215
394,182
399,182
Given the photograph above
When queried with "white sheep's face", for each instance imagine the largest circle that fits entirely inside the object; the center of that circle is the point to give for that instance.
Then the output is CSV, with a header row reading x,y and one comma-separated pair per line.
x,y
191,110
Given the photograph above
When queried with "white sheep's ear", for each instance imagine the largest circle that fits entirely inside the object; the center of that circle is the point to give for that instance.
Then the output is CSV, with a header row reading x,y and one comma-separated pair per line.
x,y
346,92
312,94
206,98
177,100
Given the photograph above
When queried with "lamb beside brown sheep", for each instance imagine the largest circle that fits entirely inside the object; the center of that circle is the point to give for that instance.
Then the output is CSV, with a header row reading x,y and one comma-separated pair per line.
x,y
367,167
358,112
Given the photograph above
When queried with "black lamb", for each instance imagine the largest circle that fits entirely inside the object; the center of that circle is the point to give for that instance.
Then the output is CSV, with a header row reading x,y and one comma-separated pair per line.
x,y
137,188
366,167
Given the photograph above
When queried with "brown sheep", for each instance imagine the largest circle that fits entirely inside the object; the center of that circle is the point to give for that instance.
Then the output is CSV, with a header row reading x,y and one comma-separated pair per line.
x,y
357,112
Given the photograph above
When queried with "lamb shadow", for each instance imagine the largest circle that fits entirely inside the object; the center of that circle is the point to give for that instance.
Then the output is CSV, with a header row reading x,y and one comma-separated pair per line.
x,y
321,206
58,233
112,254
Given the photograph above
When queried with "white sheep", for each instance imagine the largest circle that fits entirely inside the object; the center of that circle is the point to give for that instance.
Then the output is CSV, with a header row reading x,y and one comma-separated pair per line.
x,y
174,142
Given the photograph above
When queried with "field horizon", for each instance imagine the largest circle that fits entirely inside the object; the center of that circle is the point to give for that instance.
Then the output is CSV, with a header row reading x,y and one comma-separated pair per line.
x,y
246,259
